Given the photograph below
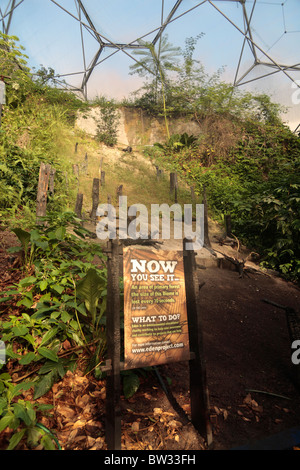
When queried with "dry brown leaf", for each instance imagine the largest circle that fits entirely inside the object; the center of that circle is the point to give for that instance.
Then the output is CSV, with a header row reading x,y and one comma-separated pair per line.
x,y
245,419
253,404
65,411
135,427
174,424
82,401
66,345
80,423
99,444
90,441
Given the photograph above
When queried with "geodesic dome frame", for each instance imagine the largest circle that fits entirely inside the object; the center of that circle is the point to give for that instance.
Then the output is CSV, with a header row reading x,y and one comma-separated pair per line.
x,y
86,22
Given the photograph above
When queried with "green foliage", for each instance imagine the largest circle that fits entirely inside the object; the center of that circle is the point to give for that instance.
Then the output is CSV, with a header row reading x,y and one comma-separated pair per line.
x,y
21,416
63,296
35,121
157,62
107,125
177,141
257,182
189,91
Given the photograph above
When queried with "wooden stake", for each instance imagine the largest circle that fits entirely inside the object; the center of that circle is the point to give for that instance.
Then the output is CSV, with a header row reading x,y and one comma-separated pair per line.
x,y
198,384
193,196
51,180
119,191
206,233
41,205
78,206
172,182
95,197
228,225
113,382
102,180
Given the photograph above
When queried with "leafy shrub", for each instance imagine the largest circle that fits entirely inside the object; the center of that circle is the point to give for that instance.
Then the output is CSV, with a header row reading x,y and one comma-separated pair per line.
x,y
61,296
107,125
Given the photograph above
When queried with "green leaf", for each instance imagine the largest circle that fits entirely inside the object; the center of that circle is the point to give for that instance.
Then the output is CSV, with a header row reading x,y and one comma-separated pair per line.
x,y
23,236
47,443
53,366
48,336
58,288
27,302
44,385
6,421
21,413
48,354
27,359
34,435
89,289
23,386
65,316
20,330
60,233
27,281
31,412
43,285
15,439
131,383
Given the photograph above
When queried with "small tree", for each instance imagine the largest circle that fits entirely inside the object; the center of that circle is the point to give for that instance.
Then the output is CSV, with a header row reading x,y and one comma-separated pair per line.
x,y
107,126
157,62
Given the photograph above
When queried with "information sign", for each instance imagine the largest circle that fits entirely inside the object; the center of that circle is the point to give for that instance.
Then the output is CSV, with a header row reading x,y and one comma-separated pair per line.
x,y
155,312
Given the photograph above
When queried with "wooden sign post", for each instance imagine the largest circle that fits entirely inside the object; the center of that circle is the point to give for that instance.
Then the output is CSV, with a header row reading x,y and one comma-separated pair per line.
x,y
198,386
113,382
161,325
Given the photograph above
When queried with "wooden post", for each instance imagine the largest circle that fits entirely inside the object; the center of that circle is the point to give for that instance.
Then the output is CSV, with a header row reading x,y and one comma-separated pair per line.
x,y
44,176
173,185
102,180
193,196
51,180
95,197
198,385
76,146
85,164
76,171
113,382
119,190
78,206
228,225
206,232
172,182
158,172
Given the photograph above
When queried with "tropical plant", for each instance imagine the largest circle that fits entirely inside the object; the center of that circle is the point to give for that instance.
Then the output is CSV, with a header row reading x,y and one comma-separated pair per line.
x,y
107,124
157,61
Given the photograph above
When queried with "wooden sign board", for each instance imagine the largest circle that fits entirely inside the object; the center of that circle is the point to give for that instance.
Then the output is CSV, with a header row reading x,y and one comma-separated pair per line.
x,y
155,313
